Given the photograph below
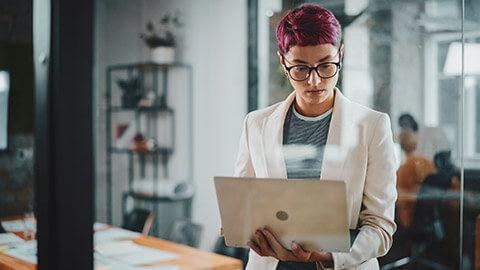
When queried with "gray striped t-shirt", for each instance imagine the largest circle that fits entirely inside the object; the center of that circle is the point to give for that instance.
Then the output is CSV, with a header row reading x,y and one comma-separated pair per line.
x,y
304,140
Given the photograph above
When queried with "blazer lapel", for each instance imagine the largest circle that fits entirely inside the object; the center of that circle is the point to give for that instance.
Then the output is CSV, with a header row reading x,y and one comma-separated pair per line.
x,y
273,140
338,142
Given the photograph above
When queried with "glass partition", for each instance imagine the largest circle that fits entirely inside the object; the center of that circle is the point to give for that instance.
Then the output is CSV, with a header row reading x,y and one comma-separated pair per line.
x,y
169,101
417,62
412,59
17,196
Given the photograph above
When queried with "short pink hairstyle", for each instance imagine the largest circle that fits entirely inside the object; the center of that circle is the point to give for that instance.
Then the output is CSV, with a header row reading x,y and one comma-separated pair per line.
x,y
308,25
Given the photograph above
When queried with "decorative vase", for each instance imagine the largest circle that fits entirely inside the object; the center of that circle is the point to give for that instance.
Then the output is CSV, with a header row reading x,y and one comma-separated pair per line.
x,y
163,55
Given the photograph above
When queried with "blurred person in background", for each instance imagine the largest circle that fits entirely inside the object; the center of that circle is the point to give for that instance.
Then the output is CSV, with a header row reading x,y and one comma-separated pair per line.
x,y
430,140
410,176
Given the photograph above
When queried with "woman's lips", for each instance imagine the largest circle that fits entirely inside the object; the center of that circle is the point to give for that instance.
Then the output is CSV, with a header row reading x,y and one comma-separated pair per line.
x,y
315,92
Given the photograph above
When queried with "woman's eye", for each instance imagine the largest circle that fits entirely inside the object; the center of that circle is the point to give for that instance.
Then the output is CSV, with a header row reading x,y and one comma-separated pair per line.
x,y
325,66
301,68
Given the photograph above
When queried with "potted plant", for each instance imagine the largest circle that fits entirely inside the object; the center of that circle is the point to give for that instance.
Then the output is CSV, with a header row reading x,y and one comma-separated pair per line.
x,y
130,92
161,40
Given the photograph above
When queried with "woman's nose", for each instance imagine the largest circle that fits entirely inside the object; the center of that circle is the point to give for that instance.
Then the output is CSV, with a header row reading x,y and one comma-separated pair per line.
x,y
314,78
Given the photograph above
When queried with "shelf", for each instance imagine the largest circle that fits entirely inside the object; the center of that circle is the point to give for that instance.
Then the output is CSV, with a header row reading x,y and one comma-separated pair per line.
x,y
155,198
146,66
161,151
141,109
155,122
186,200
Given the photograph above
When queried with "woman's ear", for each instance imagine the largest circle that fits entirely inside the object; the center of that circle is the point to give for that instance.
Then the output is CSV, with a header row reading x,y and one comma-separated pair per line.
x,y
341,51
341,57
281,61
279,54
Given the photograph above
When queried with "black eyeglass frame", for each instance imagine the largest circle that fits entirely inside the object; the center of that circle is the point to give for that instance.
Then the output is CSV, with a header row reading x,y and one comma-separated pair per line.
x,y
338,64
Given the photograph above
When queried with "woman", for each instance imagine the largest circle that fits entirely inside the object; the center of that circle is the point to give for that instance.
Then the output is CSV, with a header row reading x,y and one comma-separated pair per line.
x,y
317,133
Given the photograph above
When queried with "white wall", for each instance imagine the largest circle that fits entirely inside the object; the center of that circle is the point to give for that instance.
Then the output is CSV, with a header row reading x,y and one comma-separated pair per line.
x,y
214,43
116,32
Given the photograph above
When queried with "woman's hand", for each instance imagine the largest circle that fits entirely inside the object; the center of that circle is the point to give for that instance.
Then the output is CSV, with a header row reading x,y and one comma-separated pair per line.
x,y
268,245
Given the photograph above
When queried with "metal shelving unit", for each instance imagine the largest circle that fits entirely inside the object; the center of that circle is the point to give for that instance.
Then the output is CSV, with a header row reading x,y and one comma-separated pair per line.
x,y
143,79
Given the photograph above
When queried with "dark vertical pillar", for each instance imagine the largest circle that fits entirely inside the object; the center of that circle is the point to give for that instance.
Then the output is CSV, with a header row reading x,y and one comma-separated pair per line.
x,y
64,170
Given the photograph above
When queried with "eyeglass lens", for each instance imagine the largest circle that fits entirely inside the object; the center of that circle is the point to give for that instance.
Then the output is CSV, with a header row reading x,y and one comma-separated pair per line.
x,y
326,70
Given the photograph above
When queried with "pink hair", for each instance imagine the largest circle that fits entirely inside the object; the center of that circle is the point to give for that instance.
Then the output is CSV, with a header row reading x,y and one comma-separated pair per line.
x,y
308,25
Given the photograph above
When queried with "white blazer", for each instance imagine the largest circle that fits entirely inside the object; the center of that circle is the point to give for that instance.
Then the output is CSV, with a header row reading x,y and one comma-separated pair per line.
x,y
359,150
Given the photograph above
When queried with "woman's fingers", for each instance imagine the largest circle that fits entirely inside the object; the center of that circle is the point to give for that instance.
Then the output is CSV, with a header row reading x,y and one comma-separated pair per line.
x,y
282,253
268,245
299,252
255,247
265,248
309,256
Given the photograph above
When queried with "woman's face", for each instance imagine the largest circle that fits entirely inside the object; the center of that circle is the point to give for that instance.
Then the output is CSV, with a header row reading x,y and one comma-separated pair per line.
x,y
313,94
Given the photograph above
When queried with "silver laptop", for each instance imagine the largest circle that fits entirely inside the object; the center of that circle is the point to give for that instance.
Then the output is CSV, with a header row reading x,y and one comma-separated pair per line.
x,y
310,212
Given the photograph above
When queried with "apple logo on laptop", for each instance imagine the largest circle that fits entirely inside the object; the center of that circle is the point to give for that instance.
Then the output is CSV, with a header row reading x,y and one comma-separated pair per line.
x,y
282,215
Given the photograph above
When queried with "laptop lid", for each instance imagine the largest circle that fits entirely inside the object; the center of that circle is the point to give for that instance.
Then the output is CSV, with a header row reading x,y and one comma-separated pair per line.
x,y
312,213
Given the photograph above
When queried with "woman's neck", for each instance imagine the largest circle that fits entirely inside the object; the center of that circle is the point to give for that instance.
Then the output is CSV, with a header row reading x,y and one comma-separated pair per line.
x,y
314,110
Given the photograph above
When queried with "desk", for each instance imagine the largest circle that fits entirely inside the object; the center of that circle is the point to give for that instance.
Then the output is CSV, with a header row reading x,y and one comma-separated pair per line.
x,y
11,263
190,258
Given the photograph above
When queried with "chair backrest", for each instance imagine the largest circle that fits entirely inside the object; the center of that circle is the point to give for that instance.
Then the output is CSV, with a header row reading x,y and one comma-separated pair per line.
x,y
234,252
184,231
427,223
138,220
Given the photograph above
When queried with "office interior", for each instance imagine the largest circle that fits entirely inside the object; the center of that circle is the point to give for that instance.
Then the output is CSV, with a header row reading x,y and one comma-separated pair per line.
x,y
159,129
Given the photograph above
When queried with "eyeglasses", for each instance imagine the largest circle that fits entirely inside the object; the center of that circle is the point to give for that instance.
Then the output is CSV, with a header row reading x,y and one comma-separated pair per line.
x,y
302,72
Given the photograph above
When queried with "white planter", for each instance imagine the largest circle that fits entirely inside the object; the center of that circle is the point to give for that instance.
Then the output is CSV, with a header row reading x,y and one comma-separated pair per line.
x,y
163,55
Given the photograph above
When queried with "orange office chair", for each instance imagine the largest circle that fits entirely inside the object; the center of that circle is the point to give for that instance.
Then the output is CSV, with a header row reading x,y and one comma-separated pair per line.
x,y
138,220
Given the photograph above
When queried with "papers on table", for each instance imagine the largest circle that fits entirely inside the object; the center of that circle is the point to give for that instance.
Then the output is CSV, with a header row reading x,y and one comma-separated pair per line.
x,y
13,226
117,248
113,234
26,251
112,251
133,254
10,239
97,226
161,267
126,255
104,262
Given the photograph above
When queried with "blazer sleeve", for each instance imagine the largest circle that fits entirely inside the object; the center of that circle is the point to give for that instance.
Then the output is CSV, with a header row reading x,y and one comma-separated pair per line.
x,y
244,166
376,219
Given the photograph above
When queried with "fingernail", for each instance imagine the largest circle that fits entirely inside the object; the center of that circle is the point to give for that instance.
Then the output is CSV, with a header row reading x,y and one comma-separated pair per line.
x,y
294,245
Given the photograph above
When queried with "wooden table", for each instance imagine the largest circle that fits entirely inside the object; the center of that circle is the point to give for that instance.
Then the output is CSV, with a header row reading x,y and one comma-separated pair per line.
x,y
11,263
190,258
